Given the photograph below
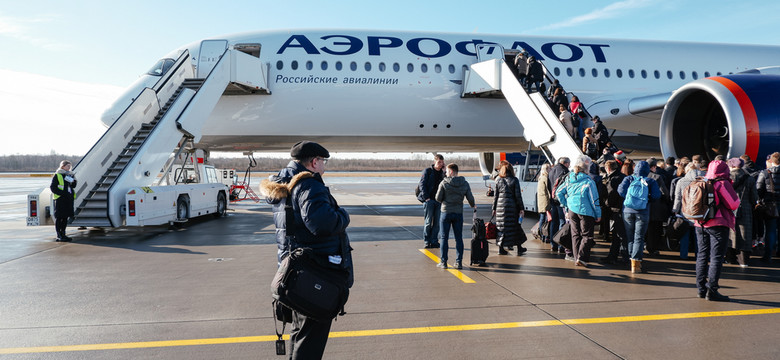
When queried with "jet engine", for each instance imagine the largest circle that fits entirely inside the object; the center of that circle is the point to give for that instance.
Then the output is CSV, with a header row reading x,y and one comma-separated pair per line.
x,y
487,162
724,115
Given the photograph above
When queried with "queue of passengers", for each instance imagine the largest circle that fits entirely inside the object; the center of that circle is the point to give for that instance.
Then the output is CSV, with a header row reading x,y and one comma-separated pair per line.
x,y
745,220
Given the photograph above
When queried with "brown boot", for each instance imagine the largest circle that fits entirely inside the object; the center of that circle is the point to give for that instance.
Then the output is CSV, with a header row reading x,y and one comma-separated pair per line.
x,y
636,266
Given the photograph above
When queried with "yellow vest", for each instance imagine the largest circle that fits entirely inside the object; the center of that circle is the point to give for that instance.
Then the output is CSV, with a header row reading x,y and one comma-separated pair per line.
x,y
61,185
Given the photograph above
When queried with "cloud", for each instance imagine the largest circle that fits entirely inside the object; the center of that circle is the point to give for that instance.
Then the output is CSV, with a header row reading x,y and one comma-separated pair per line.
x,y
610,11
23,29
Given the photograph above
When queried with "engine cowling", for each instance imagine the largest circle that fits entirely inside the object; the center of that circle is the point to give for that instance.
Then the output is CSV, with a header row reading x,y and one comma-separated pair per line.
x,y
487,162
723,115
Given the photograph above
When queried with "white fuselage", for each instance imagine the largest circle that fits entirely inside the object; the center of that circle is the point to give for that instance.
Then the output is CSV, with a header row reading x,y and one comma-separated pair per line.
x,y
401,91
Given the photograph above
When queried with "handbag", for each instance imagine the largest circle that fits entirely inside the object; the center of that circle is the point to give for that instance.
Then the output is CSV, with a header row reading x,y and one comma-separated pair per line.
x,y
309,284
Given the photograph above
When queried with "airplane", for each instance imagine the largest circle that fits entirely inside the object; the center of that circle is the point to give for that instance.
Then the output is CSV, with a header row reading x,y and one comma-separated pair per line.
x,y
376,91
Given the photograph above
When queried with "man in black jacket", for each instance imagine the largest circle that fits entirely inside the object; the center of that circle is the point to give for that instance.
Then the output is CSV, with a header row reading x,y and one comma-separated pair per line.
x,y
615,204
768,185
319,223
659,210
557,217
429,182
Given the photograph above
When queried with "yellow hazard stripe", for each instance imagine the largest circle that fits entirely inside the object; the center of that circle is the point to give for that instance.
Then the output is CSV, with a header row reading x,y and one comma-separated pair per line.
x,y
384,332
458,274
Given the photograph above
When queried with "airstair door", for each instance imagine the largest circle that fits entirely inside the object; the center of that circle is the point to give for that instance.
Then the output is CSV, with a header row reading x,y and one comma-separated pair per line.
x,y
208,56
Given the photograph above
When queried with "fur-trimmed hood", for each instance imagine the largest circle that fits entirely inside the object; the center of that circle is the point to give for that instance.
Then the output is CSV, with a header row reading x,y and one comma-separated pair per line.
x,y
275,191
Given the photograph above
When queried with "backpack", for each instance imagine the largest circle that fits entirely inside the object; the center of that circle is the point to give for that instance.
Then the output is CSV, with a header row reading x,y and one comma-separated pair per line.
x,y
698,200
636,196
559,181
592,149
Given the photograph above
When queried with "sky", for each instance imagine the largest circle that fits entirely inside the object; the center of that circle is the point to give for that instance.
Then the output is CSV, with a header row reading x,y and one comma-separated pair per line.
x,y
63,63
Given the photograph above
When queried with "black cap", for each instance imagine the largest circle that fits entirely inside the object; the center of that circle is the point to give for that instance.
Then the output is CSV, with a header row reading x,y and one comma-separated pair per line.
x,y
308,149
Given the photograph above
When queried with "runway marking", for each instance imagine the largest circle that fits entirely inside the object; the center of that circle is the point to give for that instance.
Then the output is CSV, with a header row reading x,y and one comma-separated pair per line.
x,y
384,332
458,274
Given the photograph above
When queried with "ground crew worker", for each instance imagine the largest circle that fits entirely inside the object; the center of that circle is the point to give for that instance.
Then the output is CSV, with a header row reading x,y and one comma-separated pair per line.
x,y
63,185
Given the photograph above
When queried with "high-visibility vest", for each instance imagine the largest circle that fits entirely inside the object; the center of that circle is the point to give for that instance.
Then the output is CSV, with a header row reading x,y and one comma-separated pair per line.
x,y
61,185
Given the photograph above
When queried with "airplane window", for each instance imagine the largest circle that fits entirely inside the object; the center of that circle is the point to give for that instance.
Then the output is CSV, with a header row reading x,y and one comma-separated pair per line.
x,y
619,73
437,68
682,75
324,65
382,67
451,68
338,65
706,74
353,66
424,68
294,65
644,74
279,65
606,72
409,67
557,71
695,75
582,72
669,74
309,65
396,67
569,72
465,67
368,66
657,74
160,67
719,73
594,72
631,73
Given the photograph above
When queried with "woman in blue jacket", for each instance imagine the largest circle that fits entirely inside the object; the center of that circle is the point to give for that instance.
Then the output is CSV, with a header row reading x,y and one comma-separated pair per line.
x,y
636,210
581,199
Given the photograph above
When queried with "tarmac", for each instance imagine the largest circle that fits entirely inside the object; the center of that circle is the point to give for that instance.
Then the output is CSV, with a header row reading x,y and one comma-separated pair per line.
x,y
202,292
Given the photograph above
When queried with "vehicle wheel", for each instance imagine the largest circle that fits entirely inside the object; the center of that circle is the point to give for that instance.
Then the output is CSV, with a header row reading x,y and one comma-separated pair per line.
x,y
182,208
221,205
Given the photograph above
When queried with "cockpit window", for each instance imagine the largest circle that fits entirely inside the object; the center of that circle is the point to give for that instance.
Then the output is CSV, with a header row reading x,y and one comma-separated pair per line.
x,y
161,67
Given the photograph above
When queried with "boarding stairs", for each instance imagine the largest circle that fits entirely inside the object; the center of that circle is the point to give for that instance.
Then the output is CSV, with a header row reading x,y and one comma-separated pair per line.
x,y
140,144
490,76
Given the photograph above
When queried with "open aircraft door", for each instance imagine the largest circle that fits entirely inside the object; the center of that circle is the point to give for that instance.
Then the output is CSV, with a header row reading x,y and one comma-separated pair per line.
x,y
208,56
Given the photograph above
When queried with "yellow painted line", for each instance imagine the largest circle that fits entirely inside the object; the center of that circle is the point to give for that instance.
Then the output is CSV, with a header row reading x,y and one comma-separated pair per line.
x,y
458,274
384,332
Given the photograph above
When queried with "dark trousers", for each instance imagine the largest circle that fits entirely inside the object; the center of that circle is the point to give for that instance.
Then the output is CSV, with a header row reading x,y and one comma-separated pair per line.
x,y
655,231
308,337
60,224
604,228
556,220
712,243
581,235
619,241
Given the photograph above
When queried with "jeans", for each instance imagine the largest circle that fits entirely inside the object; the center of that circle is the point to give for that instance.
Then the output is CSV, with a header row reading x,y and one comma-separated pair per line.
x,y
636,227
712,246
557,220
684,243
542,220
770,238
455,220
432,210
619,241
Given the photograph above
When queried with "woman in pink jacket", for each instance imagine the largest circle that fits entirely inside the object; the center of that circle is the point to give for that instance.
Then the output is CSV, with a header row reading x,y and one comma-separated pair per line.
x,y
713,235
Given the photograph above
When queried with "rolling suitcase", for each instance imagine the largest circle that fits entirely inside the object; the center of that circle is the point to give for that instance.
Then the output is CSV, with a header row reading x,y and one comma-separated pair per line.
x,y
479,244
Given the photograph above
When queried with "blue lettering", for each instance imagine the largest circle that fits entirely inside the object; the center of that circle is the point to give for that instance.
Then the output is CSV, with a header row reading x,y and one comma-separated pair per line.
x,y
461,47
302,42
414,46
354,45
597,52
522,45
576,53
374,44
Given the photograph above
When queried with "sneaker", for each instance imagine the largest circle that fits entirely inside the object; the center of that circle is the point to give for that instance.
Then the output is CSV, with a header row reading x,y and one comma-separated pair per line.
x,y
521,250
428,246
501,251
702,294
458,265
580,263
435,246
714,295
743,265
442,265
569,258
